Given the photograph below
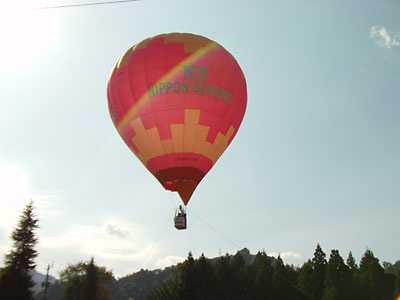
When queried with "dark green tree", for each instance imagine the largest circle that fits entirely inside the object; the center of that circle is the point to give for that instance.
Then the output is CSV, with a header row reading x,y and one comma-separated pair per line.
x,y
193,279
138,285
84,281
92,281
355,289
391,278
396,267
189,280
305,282
205,275
16,280
281,281
351,263
310,283
238,282
319,270
337,278
263,271
373,280
224,278
168,290
292,274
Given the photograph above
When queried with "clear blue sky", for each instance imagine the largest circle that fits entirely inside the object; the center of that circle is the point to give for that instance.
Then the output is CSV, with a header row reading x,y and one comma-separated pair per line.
x,y
316,160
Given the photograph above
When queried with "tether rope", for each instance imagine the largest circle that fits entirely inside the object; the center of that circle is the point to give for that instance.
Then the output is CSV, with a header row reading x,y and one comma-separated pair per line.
x,y
86,4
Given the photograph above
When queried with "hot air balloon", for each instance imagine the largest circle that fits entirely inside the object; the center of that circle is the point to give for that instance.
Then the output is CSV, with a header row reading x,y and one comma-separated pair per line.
x,y
177,100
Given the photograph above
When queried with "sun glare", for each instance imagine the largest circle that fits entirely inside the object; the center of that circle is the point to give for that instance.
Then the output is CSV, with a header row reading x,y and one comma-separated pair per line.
x,y
14,193
25,32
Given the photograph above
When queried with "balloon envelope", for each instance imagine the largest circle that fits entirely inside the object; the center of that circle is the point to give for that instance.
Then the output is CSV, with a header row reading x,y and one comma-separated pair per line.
x,y
177,100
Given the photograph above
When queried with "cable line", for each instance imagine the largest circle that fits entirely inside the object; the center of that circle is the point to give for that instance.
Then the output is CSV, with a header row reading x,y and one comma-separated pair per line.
x,y
86,4
188,230
214,229
155,242
295,286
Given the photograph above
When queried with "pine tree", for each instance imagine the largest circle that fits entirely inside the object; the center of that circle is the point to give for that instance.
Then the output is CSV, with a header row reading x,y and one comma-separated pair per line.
x,y
224,278
206,278
373,279
319,270
263,276
397,285
337,278
305,282
24,239
92,281
16,280
396,270
189,280
238,284
310,283
282,288
355,289
167,290
351,263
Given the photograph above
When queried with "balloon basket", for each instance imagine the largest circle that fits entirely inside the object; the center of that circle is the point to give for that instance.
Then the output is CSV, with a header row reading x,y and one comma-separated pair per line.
x,y
180,219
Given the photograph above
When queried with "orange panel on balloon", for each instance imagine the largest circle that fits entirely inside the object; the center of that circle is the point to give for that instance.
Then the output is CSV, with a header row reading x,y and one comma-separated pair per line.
x,y
177,101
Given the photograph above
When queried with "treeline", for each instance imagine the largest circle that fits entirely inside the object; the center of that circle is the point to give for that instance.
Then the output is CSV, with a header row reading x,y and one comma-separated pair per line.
x,y
240,276
268,278
79,280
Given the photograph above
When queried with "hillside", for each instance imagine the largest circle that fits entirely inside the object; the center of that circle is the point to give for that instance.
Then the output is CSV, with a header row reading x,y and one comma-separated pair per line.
x,y
136,285
248,276
39,279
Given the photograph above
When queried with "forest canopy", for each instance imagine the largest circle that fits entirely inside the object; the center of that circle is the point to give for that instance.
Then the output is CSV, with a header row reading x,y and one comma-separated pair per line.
x,y
247,276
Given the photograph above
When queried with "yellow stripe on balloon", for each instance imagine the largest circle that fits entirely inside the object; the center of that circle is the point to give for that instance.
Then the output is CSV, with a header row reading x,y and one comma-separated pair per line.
x,y
170,74
150,145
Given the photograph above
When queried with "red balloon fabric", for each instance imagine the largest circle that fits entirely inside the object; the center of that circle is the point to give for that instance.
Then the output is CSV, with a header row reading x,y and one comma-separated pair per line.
x,y
177,100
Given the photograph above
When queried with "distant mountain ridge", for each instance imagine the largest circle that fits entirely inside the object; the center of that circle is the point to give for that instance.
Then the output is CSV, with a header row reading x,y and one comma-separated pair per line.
x,y
38,279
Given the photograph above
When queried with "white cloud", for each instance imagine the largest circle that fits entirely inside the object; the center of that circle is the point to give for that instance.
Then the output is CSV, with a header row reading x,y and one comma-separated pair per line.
x,y
114,229
111,244
15,193
90,239
169,261
289,257
4,242
382,38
